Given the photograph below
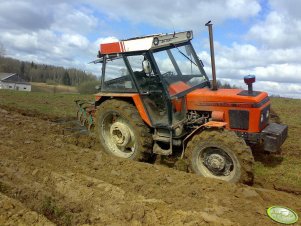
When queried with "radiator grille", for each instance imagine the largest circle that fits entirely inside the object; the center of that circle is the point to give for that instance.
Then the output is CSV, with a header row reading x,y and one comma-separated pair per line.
x,y
239,119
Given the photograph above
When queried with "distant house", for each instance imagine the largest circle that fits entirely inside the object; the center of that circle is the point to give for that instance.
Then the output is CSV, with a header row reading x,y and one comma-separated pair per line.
x,y
14,82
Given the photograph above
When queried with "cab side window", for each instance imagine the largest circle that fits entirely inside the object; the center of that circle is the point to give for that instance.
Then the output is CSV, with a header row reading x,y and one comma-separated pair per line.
x,y
136,65
117,77
150,83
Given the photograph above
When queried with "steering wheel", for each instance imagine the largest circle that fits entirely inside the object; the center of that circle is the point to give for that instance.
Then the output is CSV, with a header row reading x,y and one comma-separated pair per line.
x,y
168,74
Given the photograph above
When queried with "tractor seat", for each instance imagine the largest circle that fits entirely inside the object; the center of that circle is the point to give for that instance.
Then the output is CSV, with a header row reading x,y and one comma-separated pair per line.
x,y
140,76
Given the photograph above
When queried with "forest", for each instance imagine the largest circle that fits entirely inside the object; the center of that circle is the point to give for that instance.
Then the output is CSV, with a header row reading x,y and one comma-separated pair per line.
x,y
34,72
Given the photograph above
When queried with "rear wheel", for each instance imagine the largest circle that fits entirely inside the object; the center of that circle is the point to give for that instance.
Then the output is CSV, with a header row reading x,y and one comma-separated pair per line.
x,y
221,155
121,130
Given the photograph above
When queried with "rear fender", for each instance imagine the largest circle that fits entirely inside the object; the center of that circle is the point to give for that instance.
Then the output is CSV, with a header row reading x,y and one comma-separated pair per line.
x,y
133,98
200,129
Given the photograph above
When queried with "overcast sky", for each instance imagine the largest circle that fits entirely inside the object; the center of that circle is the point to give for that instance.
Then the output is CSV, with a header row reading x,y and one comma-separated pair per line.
x,y
260,37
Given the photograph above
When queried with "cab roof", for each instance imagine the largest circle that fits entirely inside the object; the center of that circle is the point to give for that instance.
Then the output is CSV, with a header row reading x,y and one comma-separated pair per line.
x,y
145,42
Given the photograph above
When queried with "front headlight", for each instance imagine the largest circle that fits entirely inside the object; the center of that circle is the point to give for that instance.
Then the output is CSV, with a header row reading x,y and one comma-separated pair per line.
x,y
264,117
267,114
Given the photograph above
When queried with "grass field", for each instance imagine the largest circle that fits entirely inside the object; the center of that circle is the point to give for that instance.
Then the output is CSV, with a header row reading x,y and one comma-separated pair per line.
x,y
43,87
46,105
282,171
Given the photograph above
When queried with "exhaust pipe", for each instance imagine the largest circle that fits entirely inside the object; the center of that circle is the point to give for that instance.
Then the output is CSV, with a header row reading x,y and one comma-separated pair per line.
x,y
214,83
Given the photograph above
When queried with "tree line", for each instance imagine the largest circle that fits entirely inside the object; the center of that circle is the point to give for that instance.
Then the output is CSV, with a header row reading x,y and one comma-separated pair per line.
x,y
33,72
226,85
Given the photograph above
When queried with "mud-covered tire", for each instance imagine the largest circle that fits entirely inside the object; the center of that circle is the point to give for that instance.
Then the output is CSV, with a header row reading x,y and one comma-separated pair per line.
x,y
130,117
220,154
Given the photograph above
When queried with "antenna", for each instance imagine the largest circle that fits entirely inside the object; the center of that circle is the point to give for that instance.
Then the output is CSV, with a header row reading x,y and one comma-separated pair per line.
x,y
174,31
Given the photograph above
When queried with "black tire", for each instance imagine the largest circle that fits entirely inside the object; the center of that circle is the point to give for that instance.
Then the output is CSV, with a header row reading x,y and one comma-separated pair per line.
x,y
127,114
221,154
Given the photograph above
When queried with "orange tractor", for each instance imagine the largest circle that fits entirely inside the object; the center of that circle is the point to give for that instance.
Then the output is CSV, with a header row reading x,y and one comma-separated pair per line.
x,y
155,98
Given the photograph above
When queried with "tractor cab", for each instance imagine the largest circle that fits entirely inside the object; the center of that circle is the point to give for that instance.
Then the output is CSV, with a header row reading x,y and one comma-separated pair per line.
x,y
162,69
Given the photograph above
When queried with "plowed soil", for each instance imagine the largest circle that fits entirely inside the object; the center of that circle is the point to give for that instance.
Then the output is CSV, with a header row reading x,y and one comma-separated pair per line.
x,y
55,173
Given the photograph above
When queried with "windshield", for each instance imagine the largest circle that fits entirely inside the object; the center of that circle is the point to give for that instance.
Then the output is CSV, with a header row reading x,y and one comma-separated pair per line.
x,y
179,68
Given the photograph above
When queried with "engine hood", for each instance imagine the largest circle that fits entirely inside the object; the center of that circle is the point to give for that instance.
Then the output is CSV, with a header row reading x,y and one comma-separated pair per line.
x,y
224,97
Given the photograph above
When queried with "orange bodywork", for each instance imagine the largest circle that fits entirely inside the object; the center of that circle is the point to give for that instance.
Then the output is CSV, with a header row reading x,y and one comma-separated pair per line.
x,y
177,87
136,98
218,102
214,124
223,100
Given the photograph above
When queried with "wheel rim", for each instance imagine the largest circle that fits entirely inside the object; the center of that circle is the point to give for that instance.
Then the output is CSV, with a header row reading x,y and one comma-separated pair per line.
x,y
118,135
217,163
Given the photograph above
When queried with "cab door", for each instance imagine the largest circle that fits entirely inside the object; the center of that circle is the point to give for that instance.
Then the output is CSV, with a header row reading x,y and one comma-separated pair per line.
x,y
151,90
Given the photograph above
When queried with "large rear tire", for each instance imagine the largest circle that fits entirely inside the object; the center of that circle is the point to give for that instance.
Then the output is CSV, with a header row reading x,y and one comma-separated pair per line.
x,y
221,155
121,130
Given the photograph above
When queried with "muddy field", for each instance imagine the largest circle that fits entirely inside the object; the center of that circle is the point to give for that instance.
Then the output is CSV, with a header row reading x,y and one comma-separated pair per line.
x,y
55,173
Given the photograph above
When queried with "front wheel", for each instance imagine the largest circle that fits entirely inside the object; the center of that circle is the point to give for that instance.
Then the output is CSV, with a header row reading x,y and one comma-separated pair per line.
x,y
121,130
221,155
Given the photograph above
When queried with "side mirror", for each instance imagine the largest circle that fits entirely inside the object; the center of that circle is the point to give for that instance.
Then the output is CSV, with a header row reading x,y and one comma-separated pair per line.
x,y
201,62
146,67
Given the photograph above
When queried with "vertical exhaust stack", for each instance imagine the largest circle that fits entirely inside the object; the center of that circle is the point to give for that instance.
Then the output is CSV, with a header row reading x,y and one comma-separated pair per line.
x,y
214,83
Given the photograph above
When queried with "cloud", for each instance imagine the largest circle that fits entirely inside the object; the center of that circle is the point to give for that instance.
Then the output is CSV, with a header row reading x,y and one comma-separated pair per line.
x,y
280,65
289,8
291,90
277,31
281,27
277,70
49,32
21,15
75,21
178,14
57,32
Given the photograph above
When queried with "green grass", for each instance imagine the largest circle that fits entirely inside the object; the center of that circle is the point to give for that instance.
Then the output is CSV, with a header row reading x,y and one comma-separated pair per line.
x,y
284,169
285,173
42,104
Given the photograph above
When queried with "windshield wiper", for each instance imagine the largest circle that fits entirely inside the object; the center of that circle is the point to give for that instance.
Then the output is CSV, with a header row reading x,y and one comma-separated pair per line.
x,y
184,54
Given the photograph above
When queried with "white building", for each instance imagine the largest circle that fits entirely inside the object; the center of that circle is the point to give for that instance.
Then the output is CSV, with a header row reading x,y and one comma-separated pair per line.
x,y
13,81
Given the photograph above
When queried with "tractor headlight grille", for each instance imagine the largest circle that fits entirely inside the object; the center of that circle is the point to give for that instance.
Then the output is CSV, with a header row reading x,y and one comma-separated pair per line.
x,y
264,117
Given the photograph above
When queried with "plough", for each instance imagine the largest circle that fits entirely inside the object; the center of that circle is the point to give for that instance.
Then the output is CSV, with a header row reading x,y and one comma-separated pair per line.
x,y
85,113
